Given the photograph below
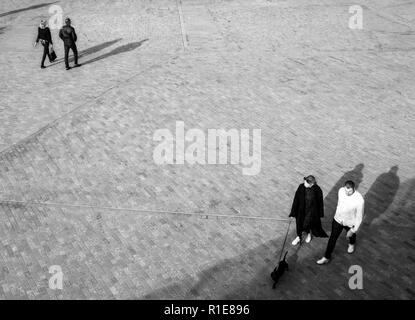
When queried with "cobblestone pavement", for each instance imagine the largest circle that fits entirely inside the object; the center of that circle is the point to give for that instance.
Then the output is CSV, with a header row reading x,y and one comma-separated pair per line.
x,y
79,187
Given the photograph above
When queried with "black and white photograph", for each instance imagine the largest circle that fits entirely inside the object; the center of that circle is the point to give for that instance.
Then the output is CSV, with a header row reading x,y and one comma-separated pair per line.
x,y
220,150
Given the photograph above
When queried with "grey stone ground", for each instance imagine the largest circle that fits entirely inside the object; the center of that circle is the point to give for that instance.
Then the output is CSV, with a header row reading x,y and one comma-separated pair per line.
x,y
75,146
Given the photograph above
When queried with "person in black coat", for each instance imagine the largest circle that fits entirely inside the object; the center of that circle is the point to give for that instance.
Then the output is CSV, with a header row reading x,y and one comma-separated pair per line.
x,y
308,209
45,38
69,38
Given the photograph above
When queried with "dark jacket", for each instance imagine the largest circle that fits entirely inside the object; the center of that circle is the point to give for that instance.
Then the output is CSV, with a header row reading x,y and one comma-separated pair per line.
x,y
68,35
44,34
317,208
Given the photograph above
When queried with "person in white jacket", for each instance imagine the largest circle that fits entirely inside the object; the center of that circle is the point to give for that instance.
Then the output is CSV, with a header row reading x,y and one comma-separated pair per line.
x,y
349,216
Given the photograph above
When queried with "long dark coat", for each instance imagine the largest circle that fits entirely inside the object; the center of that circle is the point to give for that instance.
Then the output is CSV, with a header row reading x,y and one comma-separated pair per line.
x,y
317,209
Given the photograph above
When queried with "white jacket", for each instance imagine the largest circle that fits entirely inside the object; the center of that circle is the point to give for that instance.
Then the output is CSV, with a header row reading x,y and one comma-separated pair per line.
x,y
349,210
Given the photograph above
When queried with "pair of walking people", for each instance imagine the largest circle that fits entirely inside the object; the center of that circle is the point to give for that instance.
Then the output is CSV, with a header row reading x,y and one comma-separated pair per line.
x,y
66,33
308,209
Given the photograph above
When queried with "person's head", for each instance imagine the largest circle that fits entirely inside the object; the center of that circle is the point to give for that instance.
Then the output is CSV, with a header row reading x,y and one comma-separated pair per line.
x,y
67,21
309,181
42,24
350,188
394,169
359,167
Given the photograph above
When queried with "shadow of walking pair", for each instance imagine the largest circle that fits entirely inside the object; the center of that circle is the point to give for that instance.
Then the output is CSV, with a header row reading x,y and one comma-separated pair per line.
x,y
121,49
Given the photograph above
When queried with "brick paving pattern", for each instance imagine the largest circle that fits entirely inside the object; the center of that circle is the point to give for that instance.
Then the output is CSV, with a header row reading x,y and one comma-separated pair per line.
x,y
79,187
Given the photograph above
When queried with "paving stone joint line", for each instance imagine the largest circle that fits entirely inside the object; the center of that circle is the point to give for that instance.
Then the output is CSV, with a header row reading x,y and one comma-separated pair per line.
x,y
54,204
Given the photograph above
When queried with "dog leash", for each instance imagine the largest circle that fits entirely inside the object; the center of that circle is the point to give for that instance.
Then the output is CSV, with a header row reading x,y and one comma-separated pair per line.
x,y
285,240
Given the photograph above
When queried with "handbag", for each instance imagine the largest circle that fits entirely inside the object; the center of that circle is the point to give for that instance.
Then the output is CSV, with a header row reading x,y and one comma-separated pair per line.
x,y
52,56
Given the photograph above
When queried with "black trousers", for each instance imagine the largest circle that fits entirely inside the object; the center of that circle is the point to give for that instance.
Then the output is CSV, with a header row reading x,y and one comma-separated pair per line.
x,y
336,230
45,52
75,53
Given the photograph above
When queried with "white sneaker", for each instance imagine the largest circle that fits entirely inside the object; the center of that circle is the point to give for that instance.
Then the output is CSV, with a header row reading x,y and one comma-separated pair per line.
x,y
296,241
350,248
323,260
308,239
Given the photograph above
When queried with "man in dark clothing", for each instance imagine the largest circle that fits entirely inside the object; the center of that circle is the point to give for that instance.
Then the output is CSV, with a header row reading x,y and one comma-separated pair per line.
x,y
45,38
307,209
68,35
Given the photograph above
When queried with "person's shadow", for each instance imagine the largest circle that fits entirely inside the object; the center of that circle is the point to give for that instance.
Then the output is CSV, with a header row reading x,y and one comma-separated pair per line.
x,y
380,195
37,6
404,203
121,49
330,201
89,51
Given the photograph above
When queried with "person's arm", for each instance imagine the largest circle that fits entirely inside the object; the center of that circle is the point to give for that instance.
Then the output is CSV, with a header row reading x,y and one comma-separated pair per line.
x,y
74,35
49,36
37,38
61,34
359,216
294,207
339,197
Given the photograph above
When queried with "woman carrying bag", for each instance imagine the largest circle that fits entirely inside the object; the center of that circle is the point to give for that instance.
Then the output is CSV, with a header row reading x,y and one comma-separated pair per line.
x,y
45,38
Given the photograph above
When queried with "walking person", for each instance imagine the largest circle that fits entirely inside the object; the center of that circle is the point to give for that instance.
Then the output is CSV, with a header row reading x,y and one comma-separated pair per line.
x,y
348,216
45,38
308,209
69,38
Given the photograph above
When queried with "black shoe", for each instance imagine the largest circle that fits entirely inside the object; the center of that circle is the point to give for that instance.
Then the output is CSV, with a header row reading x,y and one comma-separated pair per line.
x,y
68,68
77,65
42,67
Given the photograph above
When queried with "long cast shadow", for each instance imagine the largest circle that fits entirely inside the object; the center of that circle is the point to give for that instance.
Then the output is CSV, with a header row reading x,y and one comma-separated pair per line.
x,y
400,214
390,241
90,50
122,49
381,195
37,6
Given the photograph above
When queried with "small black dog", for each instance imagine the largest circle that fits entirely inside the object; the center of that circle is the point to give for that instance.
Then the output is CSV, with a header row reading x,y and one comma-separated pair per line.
x,y
279,271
